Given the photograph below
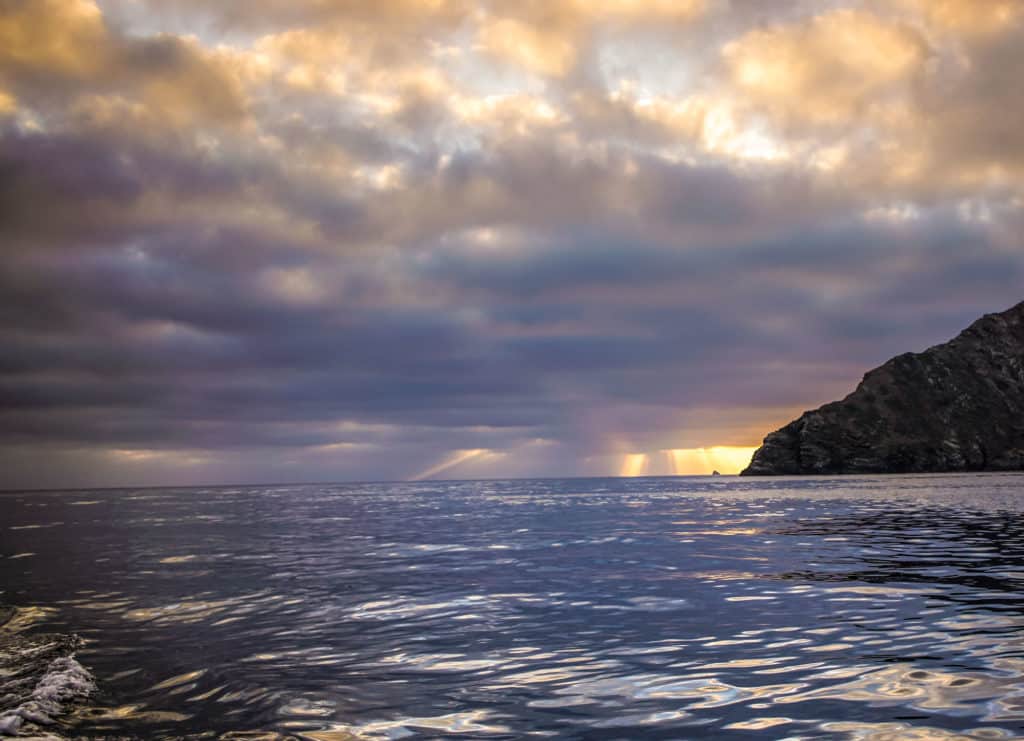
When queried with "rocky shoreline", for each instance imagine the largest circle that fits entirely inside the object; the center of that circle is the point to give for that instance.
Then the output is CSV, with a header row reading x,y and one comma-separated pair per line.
x,y
958,406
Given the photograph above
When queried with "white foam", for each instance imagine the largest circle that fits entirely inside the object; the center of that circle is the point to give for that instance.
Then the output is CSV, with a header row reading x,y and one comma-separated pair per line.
x,y
64,681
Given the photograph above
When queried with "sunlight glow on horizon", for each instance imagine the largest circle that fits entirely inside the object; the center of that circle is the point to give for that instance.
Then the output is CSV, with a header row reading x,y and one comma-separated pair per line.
x,y
697,461
687,461
668,462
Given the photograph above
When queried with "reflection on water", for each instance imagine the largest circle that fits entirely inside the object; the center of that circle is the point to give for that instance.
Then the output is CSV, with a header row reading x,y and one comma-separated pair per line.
x,y
867,608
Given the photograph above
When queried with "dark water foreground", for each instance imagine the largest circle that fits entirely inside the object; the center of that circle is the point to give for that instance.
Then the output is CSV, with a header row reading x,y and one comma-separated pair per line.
x,y
867,608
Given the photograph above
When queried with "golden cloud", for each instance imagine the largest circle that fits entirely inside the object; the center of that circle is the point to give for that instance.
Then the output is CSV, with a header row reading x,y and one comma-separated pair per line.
x,y
349,89
65,45
61,37
185,81
396,15
827,69
546,38
544,51
967,17
641,9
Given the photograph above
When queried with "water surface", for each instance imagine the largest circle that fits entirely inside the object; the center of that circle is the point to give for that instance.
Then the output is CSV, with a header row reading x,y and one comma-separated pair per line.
x,y
884,607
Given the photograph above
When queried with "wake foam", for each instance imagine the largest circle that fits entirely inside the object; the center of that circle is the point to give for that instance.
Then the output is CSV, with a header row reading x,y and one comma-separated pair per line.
x,y
39,680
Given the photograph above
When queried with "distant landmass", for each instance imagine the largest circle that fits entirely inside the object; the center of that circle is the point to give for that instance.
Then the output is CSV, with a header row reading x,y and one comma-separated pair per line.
x,y
954,407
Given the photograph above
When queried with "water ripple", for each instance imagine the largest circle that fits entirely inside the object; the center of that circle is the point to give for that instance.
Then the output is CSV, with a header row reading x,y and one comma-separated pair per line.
x,y
862,608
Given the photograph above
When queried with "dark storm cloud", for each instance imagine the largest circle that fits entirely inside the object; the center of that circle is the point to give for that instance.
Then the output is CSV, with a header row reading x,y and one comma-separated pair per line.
x,y
181,354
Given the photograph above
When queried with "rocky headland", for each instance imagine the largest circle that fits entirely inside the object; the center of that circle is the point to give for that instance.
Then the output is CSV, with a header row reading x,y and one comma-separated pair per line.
x,y
958,406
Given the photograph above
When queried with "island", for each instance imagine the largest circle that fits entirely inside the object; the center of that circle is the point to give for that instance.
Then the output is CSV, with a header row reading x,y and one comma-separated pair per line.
x,y
958,406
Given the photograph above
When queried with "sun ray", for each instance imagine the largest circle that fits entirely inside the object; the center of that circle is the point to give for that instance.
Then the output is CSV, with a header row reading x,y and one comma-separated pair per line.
x,y
703,461
453,460
635,464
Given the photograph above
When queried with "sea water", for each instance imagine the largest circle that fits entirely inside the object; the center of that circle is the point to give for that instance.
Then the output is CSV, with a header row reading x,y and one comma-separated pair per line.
x,y
725,608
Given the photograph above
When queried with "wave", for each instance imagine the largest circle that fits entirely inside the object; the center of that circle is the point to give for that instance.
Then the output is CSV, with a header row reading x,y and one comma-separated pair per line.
x,y
40,680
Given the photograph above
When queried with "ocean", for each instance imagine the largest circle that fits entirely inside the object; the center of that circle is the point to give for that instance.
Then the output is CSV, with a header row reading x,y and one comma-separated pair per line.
x,y
886,607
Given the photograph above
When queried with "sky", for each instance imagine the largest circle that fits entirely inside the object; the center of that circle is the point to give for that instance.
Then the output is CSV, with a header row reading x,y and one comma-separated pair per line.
x,y
326,240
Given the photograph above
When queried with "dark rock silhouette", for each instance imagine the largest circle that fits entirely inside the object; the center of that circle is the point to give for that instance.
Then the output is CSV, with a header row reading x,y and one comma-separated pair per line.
x,y
954,407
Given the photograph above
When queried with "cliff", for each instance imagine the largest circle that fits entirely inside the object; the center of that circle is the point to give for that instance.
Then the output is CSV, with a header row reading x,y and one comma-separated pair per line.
x,y
954,407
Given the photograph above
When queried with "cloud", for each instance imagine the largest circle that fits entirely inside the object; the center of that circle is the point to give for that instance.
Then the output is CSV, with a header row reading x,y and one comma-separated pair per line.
x,y
322,240
964,17
897,99
827,69
550,38
62,40
544,51
52,50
